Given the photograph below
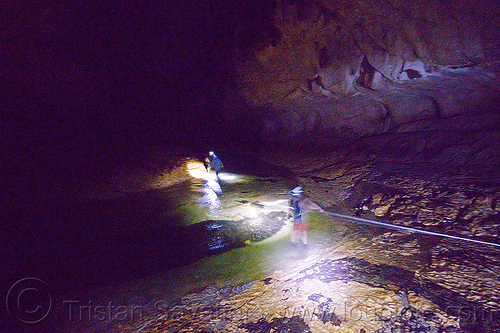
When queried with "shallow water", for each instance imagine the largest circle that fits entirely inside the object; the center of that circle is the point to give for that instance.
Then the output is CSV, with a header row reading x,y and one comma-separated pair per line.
x,y
76,247
242,196
134,250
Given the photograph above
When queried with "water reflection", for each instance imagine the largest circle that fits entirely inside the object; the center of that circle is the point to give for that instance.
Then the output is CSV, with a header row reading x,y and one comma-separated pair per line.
x,y
211,190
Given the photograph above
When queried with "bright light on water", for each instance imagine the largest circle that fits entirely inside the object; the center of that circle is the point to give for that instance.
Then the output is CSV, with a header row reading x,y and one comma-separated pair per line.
x,y
283,203
197,170
230,177
211,201
252,212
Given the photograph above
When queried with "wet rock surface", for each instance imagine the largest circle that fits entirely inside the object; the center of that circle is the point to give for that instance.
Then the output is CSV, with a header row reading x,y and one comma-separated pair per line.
x,y
463,209
331,296
385,276
293,325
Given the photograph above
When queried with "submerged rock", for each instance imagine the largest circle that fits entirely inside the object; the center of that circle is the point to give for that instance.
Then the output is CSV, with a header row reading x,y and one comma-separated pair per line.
x,y
294,324
215,236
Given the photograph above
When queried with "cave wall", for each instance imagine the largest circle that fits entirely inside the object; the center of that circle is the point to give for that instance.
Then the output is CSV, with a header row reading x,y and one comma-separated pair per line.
x,y
355,68
104,71
85,85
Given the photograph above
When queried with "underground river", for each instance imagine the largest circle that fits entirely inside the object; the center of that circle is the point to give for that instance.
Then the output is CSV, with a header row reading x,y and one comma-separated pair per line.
x,y
216,256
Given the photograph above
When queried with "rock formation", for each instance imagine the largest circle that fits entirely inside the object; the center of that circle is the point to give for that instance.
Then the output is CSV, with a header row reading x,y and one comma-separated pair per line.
x,y
356,68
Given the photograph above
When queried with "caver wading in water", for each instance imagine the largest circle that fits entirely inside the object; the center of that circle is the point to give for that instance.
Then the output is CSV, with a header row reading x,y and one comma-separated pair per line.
x,y
301,207
215,163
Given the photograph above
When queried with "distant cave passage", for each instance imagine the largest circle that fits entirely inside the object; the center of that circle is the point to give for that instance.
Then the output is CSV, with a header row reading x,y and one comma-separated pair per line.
x,y
324,58
413,74
316,80
366,74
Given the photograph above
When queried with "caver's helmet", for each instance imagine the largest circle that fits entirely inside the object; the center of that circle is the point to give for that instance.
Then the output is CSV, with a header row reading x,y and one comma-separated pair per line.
x,y
297,191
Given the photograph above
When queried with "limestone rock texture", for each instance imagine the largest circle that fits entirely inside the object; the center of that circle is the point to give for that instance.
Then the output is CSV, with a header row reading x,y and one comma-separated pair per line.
x,y
353,68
